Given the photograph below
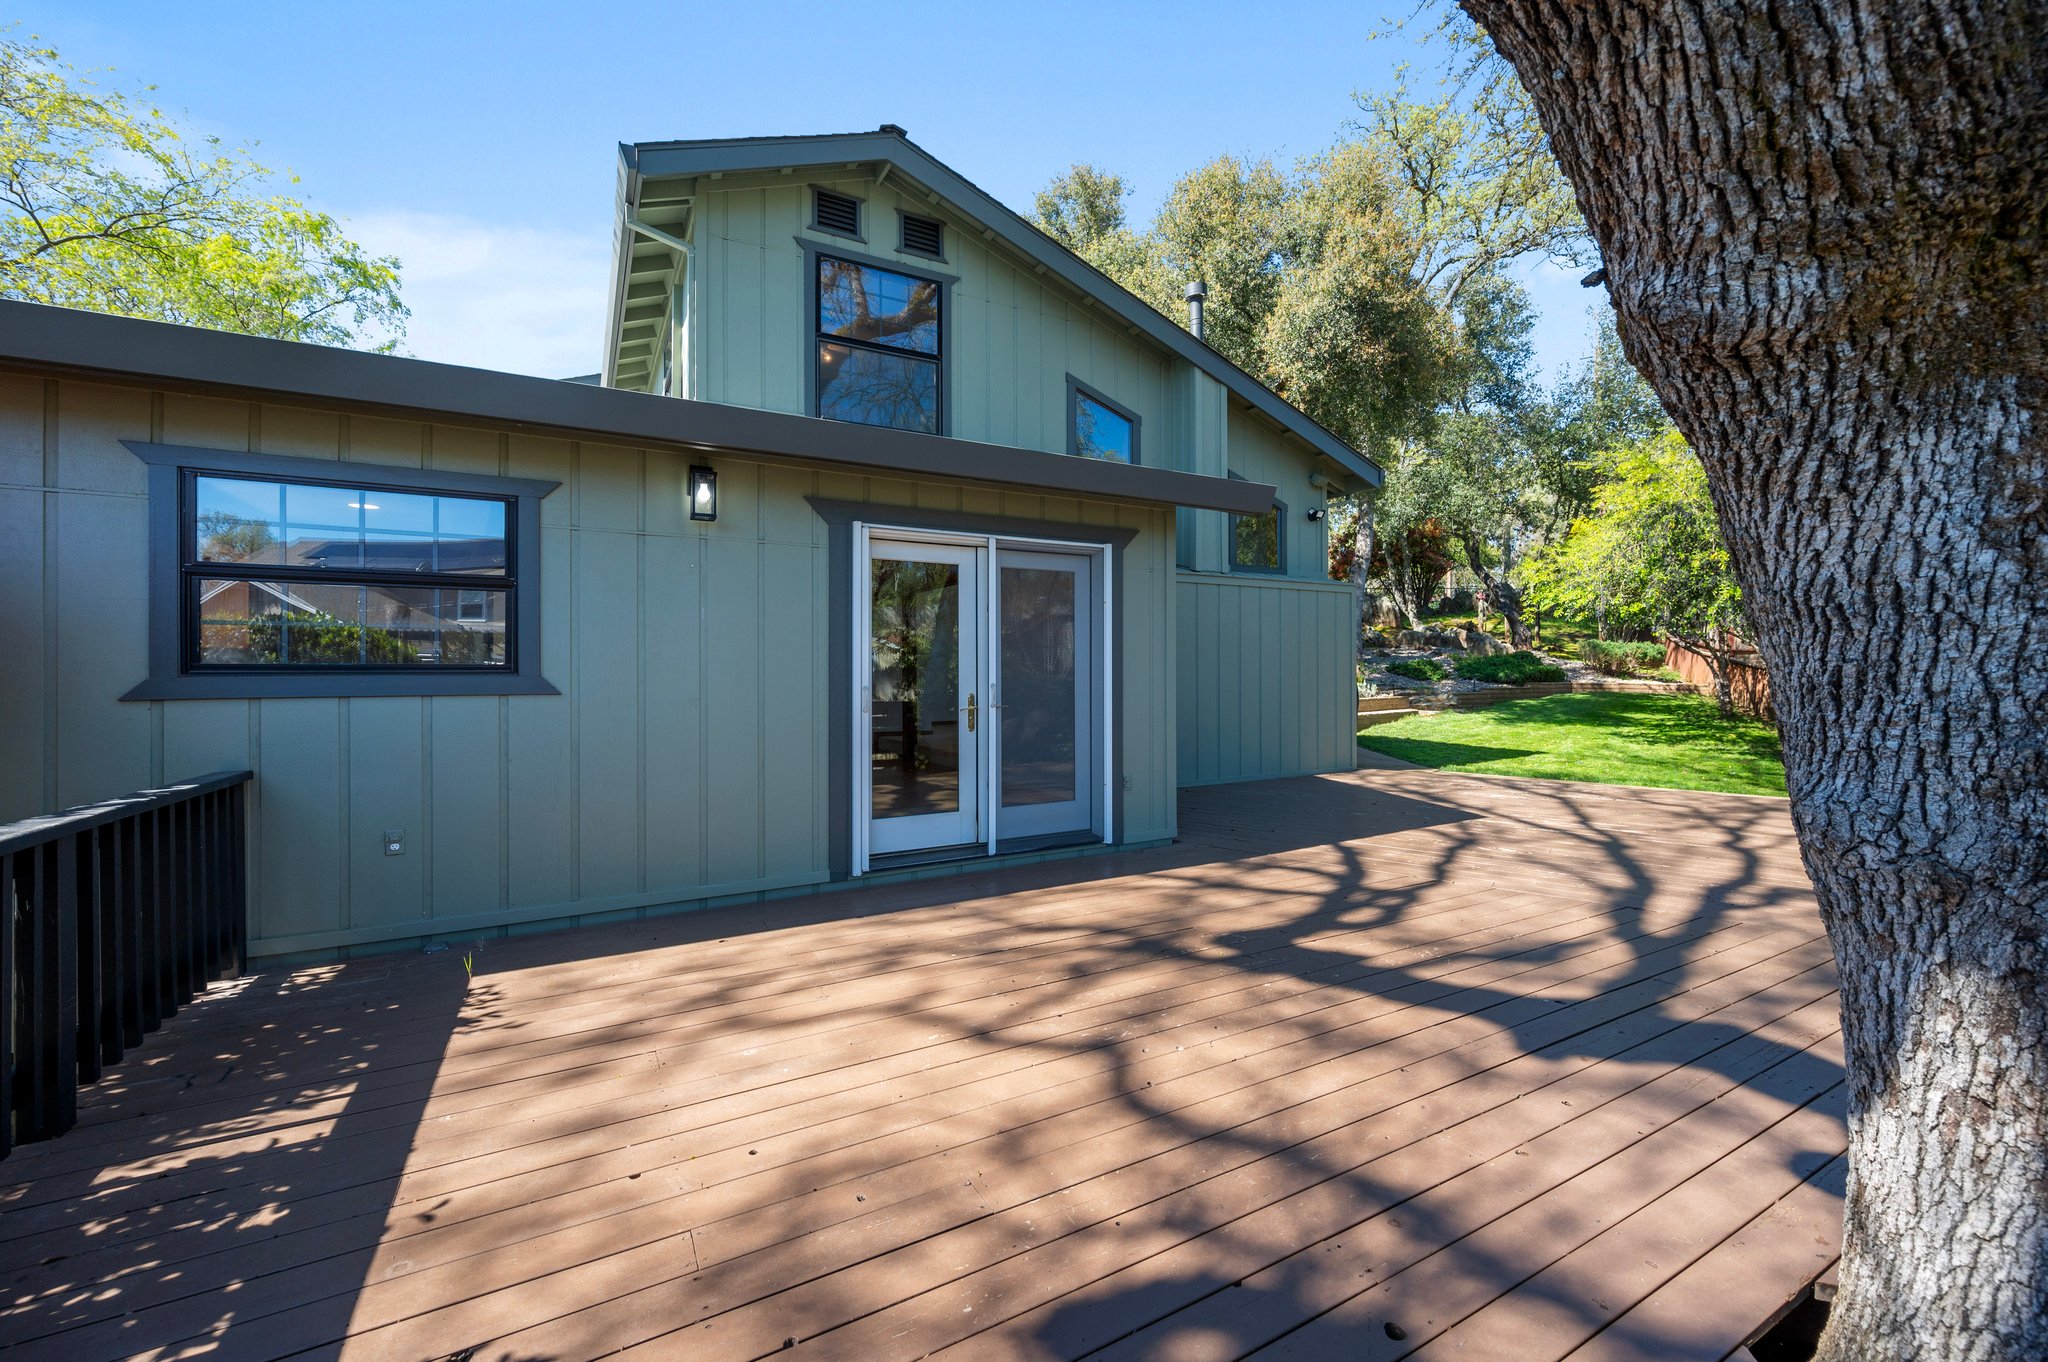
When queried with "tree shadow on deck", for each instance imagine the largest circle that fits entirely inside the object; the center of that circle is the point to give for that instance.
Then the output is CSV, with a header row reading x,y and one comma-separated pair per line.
x,y
227,1187
1083,1098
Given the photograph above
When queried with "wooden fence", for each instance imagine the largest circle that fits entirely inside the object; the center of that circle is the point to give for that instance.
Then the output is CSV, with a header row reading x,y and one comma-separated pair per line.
x,y
112,916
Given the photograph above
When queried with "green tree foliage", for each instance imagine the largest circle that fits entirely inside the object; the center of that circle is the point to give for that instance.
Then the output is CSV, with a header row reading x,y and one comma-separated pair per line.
x,y
1650,556
1310,280
106,205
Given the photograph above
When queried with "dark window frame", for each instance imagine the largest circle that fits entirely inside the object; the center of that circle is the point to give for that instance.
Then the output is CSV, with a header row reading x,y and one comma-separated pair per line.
x,y
813,337
1279,568
173,673
860,214
1076,390
903,245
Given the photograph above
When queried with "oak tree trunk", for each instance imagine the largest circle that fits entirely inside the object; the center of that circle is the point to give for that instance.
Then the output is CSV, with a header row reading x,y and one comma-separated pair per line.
x,y
1824,228
1502,591
1361,568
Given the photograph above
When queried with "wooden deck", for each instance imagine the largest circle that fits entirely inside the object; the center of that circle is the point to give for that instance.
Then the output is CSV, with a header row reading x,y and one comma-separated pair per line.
x,y
1390,1064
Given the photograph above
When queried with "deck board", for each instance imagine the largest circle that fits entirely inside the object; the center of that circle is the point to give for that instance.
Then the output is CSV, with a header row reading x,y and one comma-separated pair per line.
x,y
1491,1059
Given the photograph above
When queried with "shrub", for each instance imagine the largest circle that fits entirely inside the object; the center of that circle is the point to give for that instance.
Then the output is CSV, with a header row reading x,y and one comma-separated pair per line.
x,y
1509,669
1418,669
1621,659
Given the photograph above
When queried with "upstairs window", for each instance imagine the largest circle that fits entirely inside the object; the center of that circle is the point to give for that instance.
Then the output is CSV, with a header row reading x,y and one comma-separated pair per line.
x,y
1255,542
1098,428
879,344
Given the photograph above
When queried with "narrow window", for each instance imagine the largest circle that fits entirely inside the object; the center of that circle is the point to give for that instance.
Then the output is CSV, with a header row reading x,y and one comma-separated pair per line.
x,y
1255,540
839,213
1098,428
878,346
923,236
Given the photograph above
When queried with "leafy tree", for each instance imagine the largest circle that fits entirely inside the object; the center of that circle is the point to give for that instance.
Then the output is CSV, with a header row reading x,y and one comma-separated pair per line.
x,y
106,205
1826,240
1650,557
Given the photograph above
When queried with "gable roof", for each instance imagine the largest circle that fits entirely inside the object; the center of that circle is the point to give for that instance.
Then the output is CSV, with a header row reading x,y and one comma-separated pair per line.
x,y
889,146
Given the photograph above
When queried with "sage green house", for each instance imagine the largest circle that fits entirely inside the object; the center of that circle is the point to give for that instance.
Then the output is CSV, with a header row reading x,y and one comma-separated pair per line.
x,y
894,538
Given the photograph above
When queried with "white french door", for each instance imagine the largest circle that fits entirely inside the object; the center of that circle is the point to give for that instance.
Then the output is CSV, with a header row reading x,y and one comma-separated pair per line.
x,y
981,712
924,694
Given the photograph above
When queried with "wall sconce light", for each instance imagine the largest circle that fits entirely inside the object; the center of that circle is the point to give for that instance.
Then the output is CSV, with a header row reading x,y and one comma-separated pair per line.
x,y
703,493
1315,513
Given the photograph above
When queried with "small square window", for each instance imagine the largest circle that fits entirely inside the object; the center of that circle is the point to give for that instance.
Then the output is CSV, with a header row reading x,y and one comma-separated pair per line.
x,y
1098,428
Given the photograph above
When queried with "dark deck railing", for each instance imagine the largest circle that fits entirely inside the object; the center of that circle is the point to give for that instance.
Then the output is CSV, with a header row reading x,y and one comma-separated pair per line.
x,y
112,917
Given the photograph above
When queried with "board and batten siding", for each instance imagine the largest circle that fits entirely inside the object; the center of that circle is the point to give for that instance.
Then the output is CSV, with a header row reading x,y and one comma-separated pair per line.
x,y
1265,678
684,761
1011,339
1266,681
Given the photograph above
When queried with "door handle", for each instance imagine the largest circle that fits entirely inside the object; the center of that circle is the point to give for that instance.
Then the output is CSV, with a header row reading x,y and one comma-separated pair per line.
x,y
972,711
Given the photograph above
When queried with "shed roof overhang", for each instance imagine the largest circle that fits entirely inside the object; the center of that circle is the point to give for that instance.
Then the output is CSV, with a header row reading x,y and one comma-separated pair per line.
x,y
645,168
54,340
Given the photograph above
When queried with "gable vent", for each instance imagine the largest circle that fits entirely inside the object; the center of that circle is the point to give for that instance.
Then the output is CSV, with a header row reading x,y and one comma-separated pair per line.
x,y
836,212
922,235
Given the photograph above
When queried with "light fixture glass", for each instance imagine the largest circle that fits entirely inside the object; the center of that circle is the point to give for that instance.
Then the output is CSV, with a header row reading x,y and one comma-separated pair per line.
x,y
703,493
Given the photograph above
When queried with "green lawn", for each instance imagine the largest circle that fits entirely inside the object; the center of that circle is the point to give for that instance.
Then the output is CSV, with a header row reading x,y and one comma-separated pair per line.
x,y
1677,742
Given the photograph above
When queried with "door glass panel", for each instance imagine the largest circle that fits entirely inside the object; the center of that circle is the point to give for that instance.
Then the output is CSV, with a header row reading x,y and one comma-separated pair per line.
x,y
1041,723
915,680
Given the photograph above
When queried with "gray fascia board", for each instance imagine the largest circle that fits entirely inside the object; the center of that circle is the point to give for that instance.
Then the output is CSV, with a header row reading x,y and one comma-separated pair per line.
x,y
156,354
626,204
667,160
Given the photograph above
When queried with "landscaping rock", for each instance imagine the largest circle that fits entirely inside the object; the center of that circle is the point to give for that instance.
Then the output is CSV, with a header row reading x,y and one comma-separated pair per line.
x,y
1413,640
1440,638
1372,638
1484,645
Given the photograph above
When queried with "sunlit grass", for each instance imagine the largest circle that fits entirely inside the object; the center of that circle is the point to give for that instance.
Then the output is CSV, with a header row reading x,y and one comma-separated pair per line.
x,y
1676,742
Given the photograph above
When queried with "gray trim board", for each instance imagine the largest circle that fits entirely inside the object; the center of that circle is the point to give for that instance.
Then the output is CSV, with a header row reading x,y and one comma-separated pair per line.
x,y
839,517
168,679
643,161
55,340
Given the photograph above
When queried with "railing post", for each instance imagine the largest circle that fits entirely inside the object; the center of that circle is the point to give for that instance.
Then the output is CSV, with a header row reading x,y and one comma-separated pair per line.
x,y
10,1040
57,963
238,863
84,914
112,916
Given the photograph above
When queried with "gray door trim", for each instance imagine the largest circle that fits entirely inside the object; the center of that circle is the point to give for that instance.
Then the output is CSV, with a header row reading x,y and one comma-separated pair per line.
x,y
839,516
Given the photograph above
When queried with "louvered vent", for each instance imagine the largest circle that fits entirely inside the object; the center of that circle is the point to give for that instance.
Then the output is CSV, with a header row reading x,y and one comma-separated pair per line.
x,y
922,235
837,212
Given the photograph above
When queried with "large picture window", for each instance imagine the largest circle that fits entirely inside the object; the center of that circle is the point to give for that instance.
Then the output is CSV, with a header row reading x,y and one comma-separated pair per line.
x,y
879,339
306,574
279,576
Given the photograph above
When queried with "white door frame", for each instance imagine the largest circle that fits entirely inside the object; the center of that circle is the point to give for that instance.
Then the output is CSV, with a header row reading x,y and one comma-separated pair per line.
x,y
865,535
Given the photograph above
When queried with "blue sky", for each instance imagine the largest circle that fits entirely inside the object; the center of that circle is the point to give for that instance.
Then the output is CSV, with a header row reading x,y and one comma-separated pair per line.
x,y
478,141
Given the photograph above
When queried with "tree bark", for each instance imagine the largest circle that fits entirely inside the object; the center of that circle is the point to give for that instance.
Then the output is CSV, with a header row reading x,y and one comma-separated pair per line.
x,y
1361,568
1823,226
1501,591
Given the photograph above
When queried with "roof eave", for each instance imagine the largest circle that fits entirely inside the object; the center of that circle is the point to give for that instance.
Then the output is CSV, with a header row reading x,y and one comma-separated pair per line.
x,y
45,339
